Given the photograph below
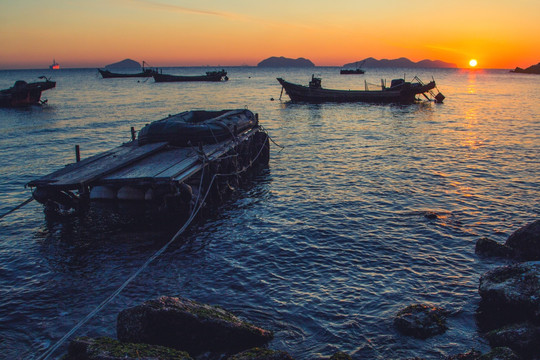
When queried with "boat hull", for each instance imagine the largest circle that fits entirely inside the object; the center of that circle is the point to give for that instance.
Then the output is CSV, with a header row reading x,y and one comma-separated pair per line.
x,y
106,74
24,94
210,76
352,72
405,94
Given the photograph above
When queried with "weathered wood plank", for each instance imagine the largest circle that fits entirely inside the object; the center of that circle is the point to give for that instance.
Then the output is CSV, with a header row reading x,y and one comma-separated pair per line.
x,y
105,163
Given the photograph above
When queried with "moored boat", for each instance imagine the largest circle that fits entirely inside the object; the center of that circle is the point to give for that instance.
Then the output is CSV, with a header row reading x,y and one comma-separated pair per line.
x,y
356,71
171,163
146,72
209,76
25,94
399,91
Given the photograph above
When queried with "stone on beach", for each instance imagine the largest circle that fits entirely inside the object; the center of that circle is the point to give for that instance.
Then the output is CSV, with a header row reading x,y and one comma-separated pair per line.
x,y
261,354
523,338
526,242
186,325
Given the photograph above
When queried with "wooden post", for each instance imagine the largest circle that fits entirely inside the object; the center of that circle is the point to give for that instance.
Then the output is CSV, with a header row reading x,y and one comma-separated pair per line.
x,y
77,153
132,133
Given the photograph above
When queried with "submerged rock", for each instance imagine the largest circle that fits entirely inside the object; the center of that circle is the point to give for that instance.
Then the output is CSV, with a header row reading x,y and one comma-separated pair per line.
x,y
103,348
526,242
512,292
471,355
340,355
261,354
523,338
189,326
421,321
487,247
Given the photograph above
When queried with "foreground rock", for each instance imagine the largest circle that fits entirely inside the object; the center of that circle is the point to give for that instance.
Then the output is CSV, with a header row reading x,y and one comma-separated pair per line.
x,y
512,292
104,348
500,353
526,242
261,354
523,338
189,326
522,245
421,321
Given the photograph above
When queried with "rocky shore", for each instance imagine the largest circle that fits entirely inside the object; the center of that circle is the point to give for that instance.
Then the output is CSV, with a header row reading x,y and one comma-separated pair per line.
x,y
172,327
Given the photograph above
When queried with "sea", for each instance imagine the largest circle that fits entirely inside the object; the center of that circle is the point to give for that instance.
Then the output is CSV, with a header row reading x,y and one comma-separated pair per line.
x,y
363,210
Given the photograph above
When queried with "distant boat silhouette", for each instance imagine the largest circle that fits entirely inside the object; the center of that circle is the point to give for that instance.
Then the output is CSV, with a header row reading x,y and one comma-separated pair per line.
x,y
356,71
54,65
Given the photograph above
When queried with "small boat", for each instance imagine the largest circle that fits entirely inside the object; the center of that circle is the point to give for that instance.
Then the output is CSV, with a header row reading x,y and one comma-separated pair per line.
x,y
54,65
25,94
165,166
356,71
399,91
146,72
210,76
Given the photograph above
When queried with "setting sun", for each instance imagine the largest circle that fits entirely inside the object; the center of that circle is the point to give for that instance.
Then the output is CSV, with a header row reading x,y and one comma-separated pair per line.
x,y
473,63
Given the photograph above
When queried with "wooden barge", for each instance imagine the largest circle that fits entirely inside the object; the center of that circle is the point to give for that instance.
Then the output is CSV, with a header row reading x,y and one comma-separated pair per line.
x,y
155,169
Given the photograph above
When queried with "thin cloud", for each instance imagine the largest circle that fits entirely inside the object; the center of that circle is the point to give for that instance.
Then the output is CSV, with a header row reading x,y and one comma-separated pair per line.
x,y
181,9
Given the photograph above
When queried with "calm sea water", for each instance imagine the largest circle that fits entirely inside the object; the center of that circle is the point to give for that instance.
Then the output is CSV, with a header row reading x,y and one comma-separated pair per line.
x,y
323,248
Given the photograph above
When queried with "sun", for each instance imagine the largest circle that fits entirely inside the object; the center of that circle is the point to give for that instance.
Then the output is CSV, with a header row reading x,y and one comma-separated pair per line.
x,y
473,63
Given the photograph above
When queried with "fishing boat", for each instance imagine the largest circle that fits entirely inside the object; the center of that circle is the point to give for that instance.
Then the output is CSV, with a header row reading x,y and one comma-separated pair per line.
x,y
25,94
400,91
356,71
165,167
146,72
54,65
209,76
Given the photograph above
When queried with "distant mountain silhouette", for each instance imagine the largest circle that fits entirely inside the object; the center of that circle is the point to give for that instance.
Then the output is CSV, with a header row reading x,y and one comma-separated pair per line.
x,y
124,64
285,62
534,69
400,63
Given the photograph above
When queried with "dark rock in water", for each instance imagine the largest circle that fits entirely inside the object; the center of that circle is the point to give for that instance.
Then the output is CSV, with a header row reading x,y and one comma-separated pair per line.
x,y
487,247
511,291
421,321
124,64
431,215
534,69
103,348
500,353
526,242
285,62
340,355
189,326
471,355
523,338
261,354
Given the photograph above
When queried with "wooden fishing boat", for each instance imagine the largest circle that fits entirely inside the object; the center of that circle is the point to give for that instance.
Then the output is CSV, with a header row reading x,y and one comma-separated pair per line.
x,y
146,72
356,71
25,94
210,76
165,166
399,91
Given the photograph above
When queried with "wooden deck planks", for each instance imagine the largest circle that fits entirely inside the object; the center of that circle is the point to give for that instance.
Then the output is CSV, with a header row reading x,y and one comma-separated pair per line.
x,y
88,170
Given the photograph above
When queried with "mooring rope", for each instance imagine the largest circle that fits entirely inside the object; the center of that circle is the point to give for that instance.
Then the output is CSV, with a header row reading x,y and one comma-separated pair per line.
x,y
17,207
198,206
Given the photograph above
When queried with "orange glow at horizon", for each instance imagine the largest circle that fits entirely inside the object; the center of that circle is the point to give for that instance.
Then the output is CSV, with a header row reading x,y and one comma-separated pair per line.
x,y
81,34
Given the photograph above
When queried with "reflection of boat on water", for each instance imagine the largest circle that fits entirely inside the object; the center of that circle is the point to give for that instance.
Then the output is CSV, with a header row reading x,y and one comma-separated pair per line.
x,y
25,94
210,76
146,72
399,91
356,71
54,65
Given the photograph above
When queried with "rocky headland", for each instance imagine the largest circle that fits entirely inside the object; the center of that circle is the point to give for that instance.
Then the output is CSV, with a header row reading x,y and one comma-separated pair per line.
x,y
400,63
277,62
534,69
124,64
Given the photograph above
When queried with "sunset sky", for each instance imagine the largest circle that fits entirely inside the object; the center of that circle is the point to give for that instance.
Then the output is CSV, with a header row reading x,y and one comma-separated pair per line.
x,y
93,33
